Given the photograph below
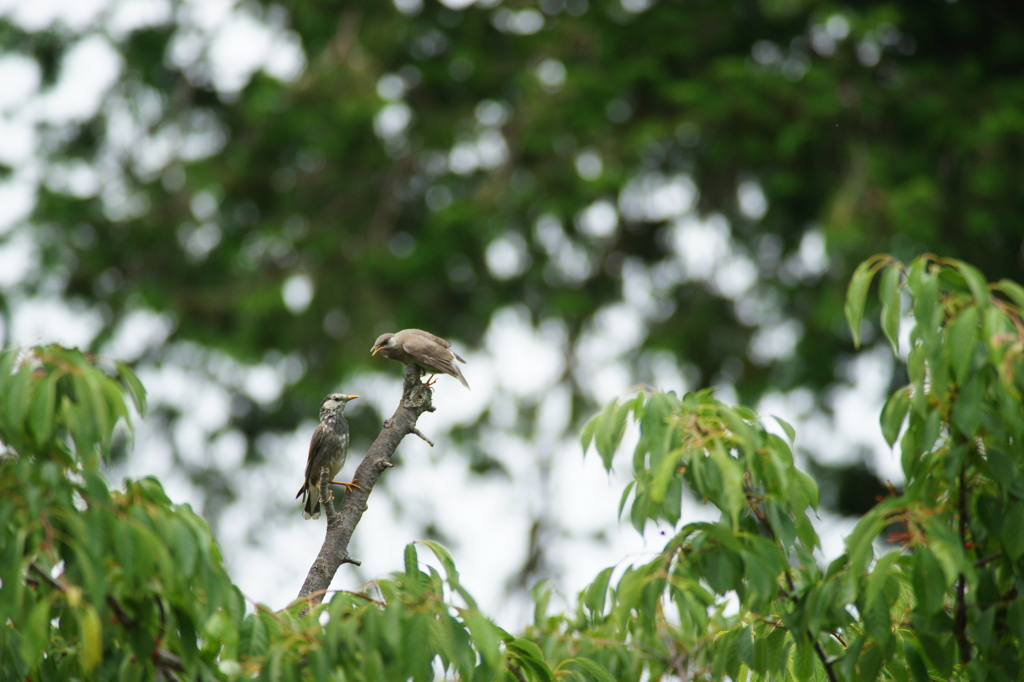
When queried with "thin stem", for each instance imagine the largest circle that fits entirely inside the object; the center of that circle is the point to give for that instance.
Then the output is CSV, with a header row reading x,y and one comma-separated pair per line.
x,y
960,618
825,662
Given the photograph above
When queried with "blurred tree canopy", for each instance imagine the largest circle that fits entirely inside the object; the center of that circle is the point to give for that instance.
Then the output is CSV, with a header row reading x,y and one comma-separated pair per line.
x,y
716,166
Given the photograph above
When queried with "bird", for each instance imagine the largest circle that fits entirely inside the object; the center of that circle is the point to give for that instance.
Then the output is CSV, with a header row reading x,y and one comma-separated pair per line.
x,y
417,347
328,448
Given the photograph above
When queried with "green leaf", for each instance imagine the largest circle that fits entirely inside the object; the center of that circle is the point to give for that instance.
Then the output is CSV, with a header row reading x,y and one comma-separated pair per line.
x,y
595,671
183,544
782,524
35,634
485,637
610,427
915,663
962,339
589,429
929,581
759,588
859,542
19,398
807,486
253,636
663,475
92,637
924,287
733,498
451,573
134,387
745,648
1014,291
597,591
894,413
976,281
944,542
672,506
790,432
857,293
877,621
726,660
803,662
639,512
7,360
869,664
889,292
530,656
412,565
939,651
541,593
969,407
44,404
417,653
1012,533
625,496
722,570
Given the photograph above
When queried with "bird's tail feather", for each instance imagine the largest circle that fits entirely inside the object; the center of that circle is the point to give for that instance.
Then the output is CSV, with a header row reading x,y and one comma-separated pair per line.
x,y
458,375
311,510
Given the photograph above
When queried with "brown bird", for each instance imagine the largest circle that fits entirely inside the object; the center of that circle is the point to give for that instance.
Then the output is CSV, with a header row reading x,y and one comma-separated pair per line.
x,y
328,448
417,347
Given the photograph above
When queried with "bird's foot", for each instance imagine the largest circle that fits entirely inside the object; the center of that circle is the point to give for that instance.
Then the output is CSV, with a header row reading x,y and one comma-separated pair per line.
x,y
347,485
430,380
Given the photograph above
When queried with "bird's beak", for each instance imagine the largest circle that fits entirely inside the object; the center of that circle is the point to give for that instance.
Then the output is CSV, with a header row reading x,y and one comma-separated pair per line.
x,y
352,397
376,349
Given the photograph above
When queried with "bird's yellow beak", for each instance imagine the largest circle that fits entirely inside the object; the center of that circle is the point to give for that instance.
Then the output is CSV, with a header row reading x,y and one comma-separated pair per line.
x,y
376,349
352,397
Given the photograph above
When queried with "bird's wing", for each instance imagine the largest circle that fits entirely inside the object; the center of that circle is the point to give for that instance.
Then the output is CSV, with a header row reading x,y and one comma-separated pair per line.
x,y
436,339
425,351
314,446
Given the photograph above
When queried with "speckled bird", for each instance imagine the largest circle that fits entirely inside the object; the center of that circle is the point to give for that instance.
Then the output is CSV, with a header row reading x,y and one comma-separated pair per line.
x,y
328,448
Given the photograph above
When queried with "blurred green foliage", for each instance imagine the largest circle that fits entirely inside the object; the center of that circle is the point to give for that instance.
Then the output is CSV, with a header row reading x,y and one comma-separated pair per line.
x,y
882,125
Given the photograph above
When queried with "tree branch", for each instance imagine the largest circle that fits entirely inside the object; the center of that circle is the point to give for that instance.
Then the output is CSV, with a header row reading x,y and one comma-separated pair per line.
x,y
516,671
342,522
987,560
960,613
825,662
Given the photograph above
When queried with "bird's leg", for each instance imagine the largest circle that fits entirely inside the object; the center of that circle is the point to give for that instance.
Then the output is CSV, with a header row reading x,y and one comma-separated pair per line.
x,y
347,485
430,381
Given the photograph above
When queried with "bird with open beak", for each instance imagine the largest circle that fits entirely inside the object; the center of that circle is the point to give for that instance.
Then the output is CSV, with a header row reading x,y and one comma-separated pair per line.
x,y
328,448
417,347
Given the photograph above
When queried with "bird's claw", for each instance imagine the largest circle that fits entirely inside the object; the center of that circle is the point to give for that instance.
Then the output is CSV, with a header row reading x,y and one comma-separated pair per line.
x,y
347,485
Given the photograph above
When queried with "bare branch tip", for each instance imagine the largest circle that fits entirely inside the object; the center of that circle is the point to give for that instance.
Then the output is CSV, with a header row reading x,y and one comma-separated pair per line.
x,y
418,433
